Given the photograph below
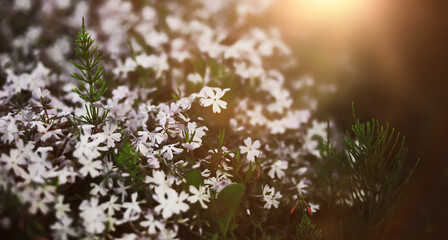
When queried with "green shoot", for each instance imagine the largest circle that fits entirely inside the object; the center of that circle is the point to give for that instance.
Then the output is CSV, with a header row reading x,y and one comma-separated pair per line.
x,y
91,87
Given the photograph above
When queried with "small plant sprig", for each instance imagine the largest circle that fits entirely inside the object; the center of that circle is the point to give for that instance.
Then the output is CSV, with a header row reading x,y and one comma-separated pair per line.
x,y
306,230
366,179
91,73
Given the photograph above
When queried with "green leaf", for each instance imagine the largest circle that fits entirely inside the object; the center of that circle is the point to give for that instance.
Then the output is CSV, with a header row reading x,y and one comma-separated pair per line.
x,y
306,230
194,178
88,59
221,136
250,172
174,96
228,202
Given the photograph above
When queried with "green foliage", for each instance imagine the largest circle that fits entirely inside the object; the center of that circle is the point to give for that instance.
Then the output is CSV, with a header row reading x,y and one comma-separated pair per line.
x,y
227,203
128,160
306,230
221,136
366,179
194,178
91,73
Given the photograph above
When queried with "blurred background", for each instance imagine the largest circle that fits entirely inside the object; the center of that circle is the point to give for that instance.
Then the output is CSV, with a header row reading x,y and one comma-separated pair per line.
x,y
391,59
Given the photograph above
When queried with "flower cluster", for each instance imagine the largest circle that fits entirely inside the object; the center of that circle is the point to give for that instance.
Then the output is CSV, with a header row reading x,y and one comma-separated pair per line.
x,y
202,126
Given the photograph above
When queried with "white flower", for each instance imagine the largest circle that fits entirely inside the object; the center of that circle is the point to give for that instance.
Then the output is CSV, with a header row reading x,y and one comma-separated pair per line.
x,y
39,204
62,228
66,174
90,167
152,223
61,208
194,132
313,207
301,187
251,149
218,184
27,150
141,146
317,130
133,210
202,195
277,169
158,63
93,216
46,133
194,78
153,161
9,128
38,94
162,182
39,163
23,5
214,99
121,189
110,136
195,135
277,126
128,236
270,197
256,116
98,188
168,151
13,161
167,234
34,176
88,148
170,202
190,146
111,206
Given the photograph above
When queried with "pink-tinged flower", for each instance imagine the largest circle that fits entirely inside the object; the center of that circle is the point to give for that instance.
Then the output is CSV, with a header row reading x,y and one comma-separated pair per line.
x,y
213,99
46,133
251,149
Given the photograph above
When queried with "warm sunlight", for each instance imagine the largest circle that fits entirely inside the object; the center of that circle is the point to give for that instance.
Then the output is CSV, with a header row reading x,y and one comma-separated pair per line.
x,y
336,22
331,13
